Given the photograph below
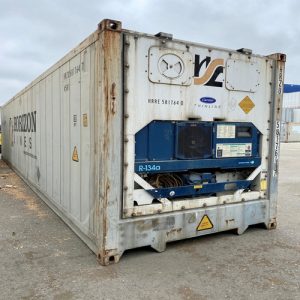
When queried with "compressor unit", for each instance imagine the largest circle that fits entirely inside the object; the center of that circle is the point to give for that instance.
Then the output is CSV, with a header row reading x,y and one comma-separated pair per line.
x,y
188,158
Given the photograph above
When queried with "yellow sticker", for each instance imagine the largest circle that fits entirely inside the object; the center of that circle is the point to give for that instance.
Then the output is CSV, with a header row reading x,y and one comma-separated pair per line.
x,y
263,184
205,223
199,186
246,105
85,120
75,154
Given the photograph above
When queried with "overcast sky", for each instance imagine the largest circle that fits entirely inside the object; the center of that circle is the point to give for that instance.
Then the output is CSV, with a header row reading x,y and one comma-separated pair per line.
x,y
34,34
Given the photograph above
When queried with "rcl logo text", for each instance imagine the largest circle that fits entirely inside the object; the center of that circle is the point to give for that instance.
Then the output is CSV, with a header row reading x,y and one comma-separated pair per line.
x,y
213,69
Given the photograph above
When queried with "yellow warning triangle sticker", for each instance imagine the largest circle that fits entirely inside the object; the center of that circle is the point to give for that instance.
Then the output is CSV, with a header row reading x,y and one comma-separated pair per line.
x,y
205,223
75,154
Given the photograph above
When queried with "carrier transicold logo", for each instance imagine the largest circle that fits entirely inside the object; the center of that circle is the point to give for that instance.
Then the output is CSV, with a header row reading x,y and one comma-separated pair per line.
x,y
208,100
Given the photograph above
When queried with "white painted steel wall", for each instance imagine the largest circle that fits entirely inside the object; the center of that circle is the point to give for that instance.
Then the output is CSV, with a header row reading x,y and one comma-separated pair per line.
x,y
291,100
291,107
287,114
63,103
293,132
296,115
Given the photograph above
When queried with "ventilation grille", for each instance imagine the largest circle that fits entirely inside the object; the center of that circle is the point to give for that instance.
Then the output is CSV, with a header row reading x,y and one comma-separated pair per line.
x,y
194,141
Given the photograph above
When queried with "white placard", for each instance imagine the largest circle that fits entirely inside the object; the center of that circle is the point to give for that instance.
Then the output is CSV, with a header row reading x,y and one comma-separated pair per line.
x,y
225,131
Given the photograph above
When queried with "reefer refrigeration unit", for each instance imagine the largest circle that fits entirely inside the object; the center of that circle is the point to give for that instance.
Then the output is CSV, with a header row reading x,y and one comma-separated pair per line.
x,y
137,140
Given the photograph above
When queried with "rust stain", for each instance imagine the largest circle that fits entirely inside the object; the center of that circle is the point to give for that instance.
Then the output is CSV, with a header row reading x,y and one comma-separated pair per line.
x,y
110,99
174,232
144,225
229,222
113,98
105,203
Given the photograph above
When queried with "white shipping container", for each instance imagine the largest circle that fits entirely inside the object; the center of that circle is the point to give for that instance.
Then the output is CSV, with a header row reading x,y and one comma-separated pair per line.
x,y
296,115
138,140
287,115
291,132
290,115
291,100
283,132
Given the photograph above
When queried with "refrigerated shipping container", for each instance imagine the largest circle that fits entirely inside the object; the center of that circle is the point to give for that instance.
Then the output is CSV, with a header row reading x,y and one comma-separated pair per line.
x,y
291,100
139,140
290,132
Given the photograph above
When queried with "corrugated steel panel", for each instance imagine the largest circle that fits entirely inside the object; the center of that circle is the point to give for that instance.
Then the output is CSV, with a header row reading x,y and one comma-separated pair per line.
x,y
291,100
292,132
283,132
287,114
71,135
296,115
290,115
44,156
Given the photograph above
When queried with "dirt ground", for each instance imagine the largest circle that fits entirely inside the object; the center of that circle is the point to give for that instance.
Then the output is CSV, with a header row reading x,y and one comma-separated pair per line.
x,y
41,258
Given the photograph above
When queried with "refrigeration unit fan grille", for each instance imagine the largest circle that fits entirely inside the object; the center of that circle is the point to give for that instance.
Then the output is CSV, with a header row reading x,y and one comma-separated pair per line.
x,y
194,141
